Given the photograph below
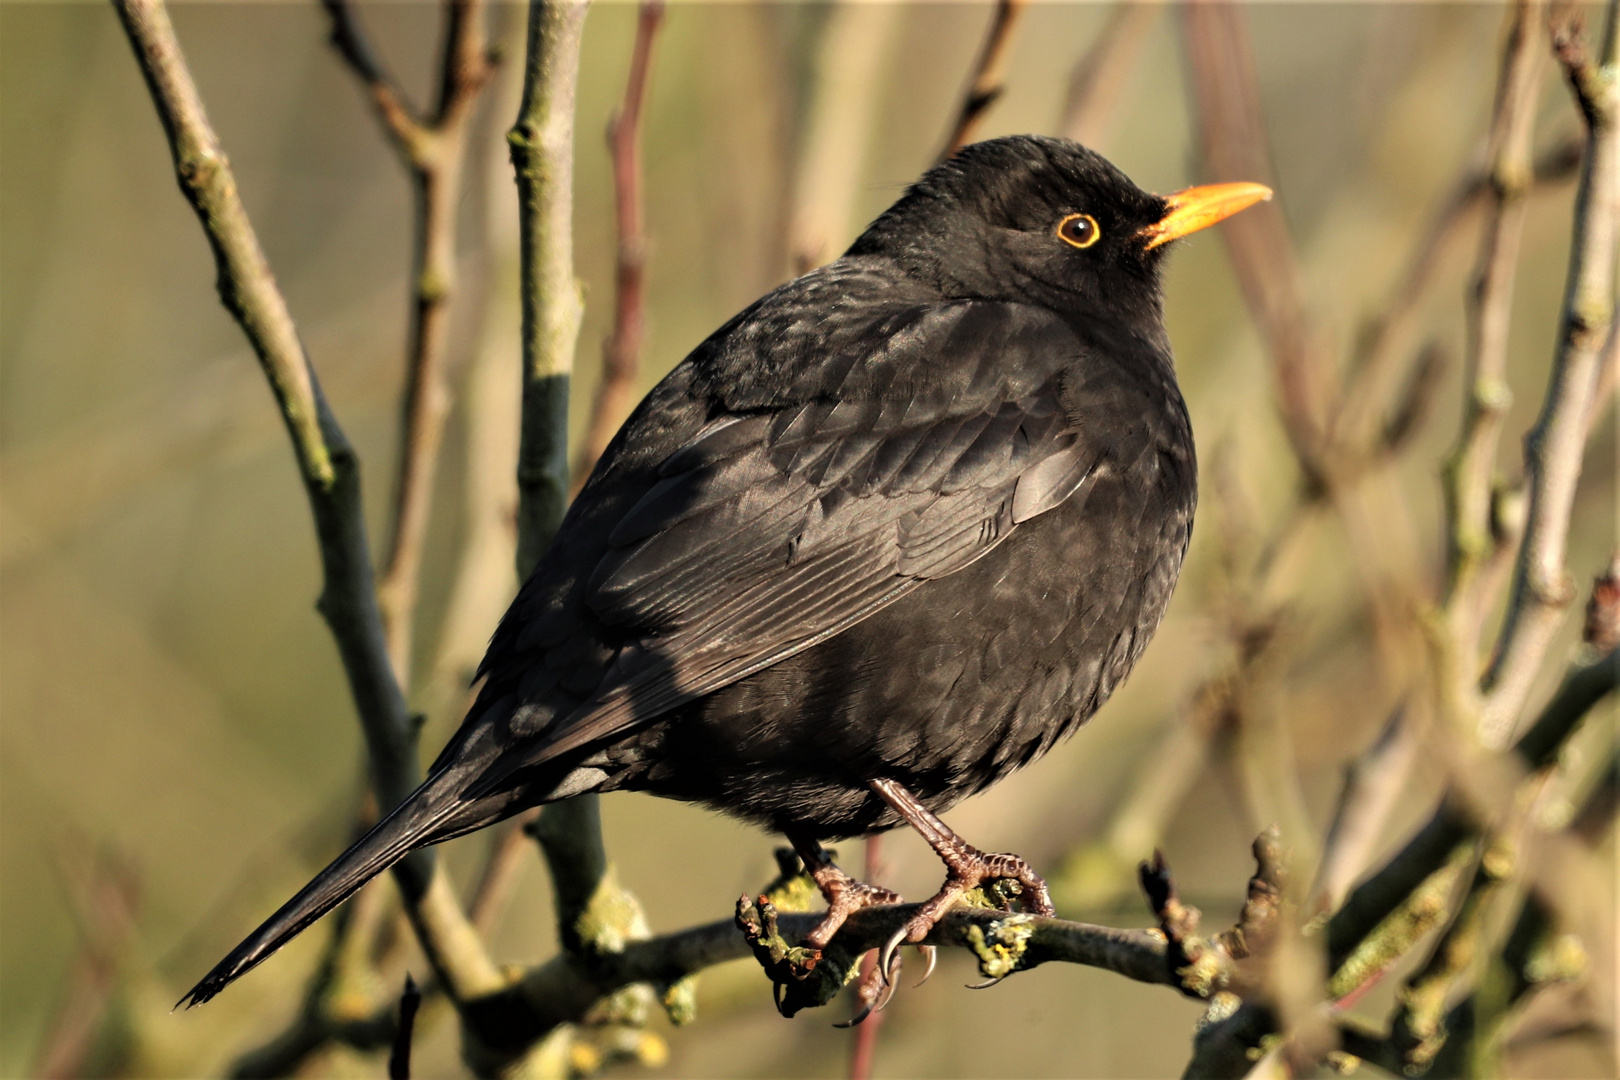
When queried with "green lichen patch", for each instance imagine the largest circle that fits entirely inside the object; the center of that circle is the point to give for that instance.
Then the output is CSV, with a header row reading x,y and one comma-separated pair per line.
x,y
1001,945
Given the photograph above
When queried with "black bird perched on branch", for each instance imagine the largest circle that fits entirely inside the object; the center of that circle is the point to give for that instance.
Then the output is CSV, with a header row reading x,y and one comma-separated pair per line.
x,y
883,538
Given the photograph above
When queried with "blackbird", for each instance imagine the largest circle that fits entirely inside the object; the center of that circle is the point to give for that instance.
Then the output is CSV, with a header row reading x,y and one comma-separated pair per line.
x,y
881,539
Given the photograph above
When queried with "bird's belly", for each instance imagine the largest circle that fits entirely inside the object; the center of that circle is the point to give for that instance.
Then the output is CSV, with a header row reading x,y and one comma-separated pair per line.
x,y
946,690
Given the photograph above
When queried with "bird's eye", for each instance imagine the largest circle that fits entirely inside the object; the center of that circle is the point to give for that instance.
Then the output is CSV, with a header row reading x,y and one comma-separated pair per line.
x,y
1079,230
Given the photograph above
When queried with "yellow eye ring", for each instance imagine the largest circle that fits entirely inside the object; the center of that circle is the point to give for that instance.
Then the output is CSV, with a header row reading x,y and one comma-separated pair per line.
x,y
1079,230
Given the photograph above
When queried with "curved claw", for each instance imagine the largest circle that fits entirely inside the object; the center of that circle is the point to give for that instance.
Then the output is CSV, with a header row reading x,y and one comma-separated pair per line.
x,y
886,957
931,954
887,993
778,990
987,984
866,1010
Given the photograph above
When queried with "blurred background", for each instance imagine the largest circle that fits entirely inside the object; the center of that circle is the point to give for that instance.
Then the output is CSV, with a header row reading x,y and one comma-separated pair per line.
x,y
173,718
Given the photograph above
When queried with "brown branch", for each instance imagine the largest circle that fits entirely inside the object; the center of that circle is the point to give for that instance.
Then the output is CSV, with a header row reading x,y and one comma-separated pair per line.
x,y
1099,78
103,894
1233,146
432,150
1542,590
621,354
986,85
398,119
863,1053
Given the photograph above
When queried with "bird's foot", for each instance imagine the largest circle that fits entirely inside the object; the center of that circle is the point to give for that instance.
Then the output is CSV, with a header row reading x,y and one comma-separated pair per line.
x,y
1001,877
845,896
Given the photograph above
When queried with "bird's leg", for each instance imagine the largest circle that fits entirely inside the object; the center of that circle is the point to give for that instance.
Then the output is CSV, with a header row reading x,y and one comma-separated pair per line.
x,y
966,867
845,895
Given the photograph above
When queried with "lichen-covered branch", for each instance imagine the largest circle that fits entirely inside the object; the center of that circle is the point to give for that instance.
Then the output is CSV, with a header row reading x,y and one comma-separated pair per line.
x,y
1373,901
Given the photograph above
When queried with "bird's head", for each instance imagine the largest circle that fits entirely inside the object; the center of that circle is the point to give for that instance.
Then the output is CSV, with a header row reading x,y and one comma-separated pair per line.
x,y
1044,220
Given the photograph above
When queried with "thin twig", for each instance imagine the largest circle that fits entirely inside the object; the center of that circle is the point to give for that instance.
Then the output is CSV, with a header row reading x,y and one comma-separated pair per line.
x,y
621,353
1542,590
1375,366
1471,468
331,475
1233,146
103,893
432,150
986,85
863,1053
1099,78
399,1056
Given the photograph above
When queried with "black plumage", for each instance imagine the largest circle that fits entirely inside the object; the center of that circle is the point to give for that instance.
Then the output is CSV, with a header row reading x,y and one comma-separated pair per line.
x,y
883,538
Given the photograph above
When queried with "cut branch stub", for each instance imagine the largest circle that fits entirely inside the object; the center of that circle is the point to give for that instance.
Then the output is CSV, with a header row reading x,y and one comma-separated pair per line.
x,y
800,979
1233,959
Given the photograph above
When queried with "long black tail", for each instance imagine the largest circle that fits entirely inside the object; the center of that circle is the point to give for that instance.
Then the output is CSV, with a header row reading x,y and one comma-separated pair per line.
x,y
433,812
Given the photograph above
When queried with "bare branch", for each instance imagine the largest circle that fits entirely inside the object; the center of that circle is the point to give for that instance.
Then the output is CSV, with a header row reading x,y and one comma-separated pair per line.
x,y
1542,590
398,119
399,1056
103,894
1374,782
844,96
621,354
1392,335
542,142
986,85
1234,146
1099,77
432,151
1471,468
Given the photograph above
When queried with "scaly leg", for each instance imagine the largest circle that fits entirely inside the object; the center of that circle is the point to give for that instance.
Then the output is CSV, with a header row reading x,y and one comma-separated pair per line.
x,y
845,895
967,868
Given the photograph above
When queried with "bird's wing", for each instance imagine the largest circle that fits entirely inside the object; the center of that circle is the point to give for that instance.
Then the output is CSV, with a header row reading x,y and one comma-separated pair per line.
x,y
776,528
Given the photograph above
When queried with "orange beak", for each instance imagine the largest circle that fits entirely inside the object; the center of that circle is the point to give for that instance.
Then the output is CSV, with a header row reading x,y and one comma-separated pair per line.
x,y
1199,208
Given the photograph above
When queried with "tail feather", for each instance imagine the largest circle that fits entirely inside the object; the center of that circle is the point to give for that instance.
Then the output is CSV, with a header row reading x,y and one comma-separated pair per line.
x,y
430,814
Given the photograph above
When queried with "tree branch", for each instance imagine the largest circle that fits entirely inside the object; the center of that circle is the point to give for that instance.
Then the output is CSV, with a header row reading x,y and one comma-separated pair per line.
x,y
433,152
543,158
986,85
1099,78
843,99
1233,146
1542,590
1426,853
1470,471
621,354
